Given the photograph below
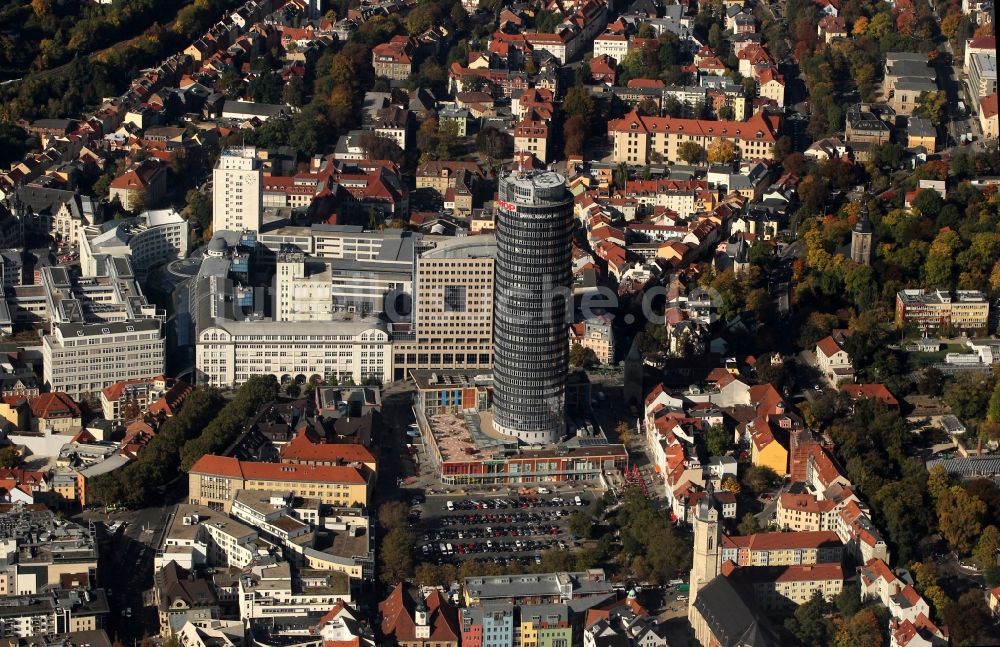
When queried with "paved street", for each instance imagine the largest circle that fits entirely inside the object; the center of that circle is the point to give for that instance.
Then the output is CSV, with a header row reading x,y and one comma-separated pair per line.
x,y
126,568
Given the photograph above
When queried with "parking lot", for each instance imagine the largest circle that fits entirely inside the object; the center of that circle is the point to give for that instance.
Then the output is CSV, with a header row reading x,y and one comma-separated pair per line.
x,y
504,529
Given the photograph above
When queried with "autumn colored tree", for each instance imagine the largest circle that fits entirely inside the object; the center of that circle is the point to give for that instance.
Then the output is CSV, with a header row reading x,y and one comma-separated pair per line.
x,y
340,107
951,23
860,26
959,518
940,266
863,629
574,135
968,620
624,432
722,151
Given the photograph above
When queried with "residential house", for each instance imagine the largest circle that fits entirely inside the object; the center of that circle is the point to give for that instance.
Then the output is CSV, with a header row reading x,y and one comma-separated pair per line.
x,y
144,184
989,120
55,411
394,60
833,360
410,619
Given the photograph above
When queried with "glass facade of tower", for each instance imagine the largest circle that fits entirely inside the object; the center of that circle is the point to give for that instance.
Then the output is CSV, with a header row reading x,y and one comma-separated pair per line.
x,y
532,288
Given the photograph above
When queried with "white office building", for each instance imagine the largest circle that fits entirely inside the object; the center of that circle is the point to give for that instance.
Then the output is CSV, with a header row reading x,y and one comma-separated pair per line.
x,y
82,359
150,239
237,195
229,352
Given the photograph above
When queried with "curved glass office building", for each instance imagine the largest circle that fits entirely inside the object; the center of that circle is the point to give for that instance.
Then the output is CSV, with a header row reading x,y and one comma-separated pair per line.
x,y
532,287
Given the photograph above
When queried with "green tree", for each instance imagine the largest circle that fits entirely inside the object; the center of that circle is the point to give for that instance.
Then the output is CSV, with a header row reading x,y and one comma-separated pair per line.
x,y
691,153
448,140
987,547
749,525
759,478
493,145
809,624
968,397
719,440
578,101
9,457
199,209
580,525
580,356
848,601
931,105
396,556
959,517
294,92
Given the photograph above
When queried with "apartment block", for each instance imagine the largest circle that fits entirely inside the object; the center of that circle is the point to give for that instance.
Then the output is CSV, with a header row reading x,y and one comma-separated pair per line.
x,y
930,310
237,191
637,139
779,588
782,549
394,60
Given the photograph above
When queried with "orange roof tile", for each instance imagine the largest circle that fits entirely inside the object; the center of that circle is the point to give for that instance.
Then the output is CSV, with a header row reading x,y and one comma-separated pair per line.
x,y
302,450
54,405
782,540
234,468
828,346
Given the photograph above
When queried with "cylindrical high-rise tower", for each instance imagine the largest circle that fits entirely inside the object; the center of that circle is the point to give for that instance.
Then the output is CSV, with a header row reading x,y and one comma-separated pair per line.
x,y
532,286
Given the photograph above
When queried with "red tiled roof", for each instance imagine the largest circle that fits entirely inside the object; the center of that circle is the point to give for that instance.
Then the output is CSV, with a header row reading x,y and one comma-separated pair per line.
x,y
54,405
805,503
138,177
828,346
398,622
782,540
876,391
634,122
988,104
796,573
302,450
982,42
172,399
235,468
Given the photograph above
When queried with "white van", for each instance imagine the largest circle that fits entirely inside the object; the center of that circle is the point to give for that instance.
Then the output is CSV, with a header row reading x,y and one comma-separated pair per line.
x,y
543,490
450,505
578,500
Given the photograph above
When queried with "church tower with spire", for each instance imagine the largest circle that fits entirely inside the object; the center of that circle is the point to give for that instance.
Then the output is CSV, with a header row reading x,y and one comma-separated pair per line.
x,y
707,560
861,237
